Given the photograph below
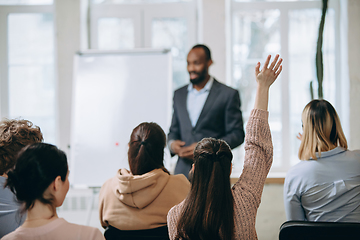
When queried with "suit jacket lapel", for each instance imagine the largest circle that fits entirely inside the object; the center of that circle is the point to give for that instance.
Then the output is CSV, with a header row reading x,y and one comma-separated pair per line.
x,y
209,102
183,107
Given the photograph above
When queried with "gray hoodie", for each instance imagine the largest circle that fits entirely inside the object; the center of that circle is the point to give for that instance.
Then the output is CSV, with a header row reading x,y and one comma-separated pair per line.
x,y
10,217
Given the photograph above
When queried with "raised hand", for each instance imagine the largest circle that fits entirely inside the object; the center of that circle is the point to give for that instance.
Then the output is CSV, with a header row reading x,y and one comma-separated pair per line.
x,y
268,74
264,79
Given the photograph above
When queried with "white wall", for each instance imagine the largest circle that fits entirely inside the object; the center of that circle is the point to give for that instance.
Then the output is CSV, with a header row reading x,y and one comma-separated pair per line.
x,y
354,73
70,28
212,34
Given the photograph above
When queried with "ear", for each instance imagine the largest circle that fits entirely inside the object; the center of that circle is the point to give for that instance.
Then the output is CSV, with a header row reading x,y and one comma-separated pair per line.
x,y
57,183
209,63
192,167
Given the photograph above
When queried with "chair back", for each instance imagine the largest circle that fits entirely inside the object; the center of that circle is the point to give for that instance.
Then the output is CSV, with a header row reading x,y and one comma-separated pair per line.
x,y
301,230
161,233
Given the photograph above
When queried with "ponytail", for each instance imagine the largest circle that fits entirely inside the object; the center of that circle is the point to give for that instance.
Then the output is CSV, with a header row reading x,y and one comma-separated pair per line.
x,y
146,148
208,211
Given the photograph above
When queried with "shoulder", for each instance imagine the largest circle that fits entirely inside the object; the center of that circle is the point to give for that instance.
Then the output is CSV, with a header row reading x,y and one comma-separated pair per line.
x,y
113,180
179,179
301,174
84,232
180,93
12,236
174,212
357,152
354,154
223,87
173,218
106,186
179,185
57,229
106,183
181,90
8,198
299,169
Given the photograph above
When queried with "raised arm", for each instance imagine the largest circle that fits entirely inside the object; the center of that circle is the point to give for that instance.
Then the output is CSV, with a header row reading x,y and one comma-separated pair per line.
x,y
264,79
258,144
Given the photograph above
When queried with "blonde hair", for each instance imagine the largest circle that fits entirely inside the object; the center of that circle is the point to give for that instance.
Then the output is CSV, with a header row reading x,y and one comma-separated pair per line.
x,y
322,130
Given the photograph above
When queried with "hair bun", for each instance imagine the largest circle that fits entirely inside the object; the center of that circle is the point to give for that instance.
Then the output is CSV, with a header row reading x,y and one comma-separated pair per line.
x,y
20,187
13,182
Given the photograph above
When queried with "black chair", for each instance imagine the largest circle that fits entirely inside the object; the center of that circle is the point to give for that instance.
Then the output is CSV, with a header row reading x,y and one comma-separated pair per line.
x,y
301,230
160,233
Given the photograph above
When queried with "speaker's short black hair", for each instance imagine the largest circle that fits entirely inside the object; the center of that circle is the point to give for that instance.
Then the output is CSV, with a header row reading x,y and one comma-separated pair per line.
x,y
206,50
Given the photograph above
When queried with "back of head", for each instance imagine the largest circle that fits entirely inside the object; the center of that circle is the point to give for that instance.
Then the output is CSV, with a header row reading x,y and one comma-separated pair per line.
x,y
36,168
146,148
322,130
208,211
206,50
14,135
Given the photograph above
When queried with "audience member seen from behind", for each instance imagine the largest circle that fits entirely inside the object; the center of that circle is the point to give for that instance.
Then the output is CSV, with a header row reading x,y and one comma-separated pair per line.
x,y
140,199
325,186
40,181
14,135
213,210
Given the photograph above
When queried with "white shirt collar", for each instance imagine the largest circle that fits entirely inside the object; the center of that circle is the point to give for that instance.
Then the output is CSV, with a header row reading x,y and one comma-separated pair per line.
x,y
206,88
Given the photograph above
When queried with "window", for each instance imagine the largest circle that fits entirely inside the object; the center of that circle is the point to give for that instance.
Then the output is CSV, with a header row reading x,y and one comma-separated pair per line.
x,y
27,70
116,33
291,29
125,24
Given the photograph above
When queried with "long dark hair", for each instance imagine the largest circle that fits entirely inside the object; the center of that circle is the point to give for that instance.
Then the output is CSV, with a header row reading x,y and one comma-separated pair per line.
x,y
146,148
208,211
36,168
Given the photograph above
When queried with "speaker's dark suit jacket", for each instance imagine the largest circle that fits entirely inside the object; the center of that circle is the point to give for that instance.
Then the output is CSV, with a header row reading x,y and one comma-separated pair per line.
x,y
220,118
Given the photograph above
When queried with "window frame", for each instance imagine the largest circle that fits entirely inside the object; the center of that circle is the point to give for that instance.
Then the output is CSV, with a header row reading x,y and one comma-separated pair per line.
x,y
142,14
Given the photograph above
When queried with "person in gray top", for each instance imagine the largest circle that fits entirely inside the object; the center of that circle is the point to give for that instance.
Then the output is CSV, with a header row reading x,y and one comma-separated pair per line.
x,y
326,185
14,135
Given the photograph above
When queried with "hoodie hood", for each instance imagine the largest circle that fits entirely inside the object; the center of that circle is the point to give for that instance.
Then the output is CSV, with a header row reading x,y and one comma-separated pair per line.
x,y
138,191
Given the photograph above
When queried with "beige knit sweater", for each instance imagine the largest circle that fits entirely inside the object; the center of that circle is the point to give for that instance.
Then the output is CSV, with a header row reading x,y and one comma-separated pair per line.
x,y
248,189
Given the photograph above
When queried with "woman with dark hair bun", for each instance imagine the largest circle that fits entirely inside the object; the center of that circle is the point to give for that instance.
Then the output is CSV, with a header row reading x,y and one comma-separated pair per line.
x,y
141,198
40,181
213,210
